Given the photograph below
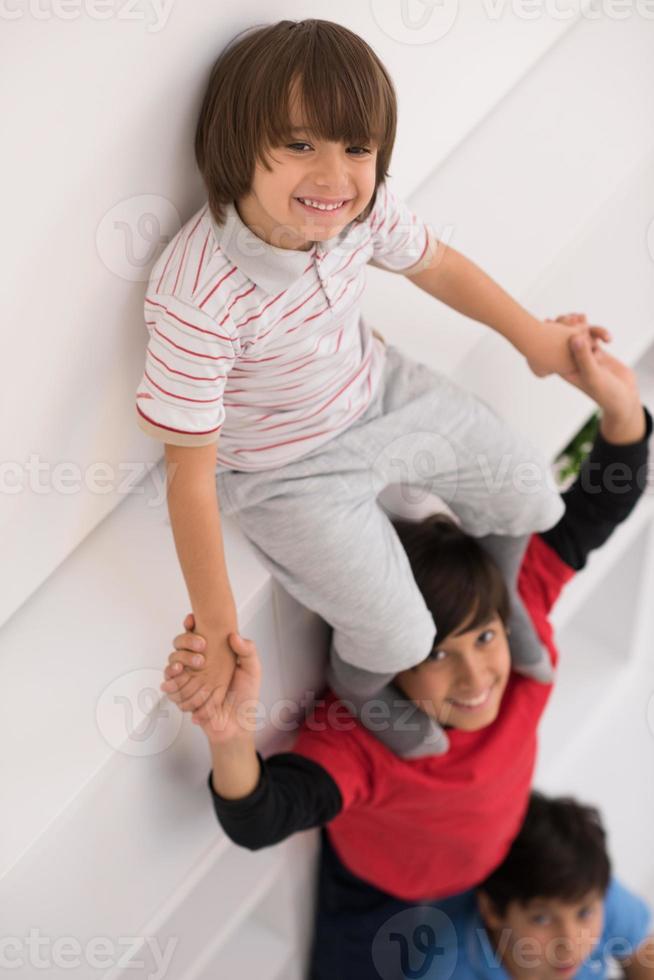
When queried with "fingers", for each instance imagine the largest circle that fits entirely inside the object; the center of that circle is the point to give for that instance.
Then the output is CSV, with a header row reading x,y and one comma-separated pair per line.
x,y
580,320
244,649
189,622
601,333
176,674
247,659
195,701
203,716
208,712
190,697
582,353
189,658
174,685
216,711
174,696
189,641
179,661
180,689
572,319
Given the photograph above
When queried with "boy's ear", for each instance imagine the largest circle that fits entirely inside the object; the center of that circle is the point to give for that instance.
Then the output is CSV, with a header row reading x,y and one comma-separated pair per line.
x,y
488,911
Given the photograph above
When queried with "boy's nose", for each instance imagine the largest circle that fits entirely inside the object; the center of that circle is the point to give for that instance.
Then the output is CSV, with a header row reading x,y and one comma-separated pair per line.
x,y
471,673
331,173
567,943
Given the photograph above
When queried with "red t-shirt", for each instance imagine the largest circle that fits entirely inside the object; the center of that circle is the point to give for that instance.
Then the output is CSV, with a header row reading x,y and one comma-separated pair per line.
x,y
432,827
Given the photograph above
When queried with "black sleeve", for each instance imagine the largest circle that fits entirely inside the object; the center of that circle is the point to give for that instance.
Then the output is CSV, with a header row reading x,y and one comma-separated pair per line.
x,y
611,481
293,793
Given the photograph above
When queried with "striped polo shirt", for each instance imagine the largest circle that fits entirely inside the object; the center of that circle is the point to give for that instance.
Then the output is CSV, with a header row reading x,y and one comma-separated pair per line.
x,y
262,349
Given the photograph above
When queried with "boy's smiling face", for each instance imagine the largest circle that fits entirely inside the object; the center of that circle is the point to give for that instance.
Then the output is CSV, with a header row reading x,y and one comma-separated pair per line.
x,y
462,682
546,939
312,169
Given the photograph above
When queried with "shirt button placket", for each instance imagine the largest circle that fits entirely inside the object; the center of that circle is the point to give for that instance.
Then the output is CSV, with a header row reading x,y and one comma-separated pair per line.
x,y
324,280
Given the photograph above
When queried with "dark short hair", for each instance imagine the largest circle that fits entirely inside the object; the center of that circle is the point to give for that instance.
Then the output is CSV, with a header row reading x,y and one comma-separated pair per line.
x,y
462,586
345,93
560,853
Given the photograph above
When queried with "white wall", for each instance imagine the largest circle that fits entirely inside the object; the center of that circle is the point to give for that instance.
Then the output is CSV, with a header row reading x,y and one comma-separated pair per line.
x,y
526,138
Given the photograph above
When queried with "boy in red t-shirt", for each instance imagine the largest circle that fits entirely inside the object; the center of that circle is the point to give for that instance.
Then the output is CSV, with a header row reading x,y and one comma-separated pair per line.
x,y
405,832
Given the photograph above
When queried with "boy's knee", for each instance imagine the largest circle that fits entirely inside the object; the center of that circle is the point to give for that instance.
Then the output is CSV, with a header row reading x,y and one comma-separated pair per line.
x,y
384,646
544,507
525,481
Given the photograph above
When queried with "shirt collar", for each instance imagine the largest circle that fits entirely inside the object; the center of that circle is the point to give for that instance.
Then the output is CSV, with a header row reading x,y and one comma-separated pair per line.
x,y
273,269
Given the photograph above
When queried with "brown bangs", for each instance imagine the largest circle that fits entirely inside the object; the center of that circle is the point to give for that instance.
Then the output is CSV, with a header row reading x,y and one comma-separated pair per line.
x,y
462,586
343,93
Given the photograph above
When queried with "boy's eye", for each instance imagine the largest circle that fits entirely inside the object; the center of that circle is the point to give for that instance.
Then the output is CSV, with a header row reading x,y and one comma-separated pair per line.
x,y
540,919
437,655
292,146
585,912
486,636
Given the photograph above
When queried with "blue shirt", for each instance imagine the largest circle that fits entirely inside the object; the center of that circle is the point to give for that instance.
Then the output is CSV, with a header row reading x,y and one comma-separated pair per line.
x,y
626,925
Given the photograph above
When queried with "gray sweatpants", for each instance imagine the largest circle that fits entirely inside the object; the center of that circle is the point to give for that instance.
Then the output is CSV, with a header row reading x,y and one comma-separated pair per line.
x,y
317,526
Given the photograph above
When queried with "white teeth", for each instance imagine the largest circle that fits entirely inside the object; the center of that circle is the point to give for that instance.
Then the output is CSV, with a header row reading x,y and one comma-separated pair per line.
x,y
321,207
472,703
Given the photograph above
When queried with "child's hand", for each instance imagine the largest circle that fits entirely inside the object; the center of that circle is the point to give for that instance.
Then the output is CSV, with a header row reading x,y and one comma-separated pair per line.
x,y
550,352
223,717
605,379
190,686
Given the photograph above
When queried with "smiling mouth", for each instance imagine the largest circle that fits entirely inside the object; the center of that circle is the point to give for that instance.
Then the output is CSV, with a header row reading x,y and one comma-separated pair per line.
x,y
472,704
320,209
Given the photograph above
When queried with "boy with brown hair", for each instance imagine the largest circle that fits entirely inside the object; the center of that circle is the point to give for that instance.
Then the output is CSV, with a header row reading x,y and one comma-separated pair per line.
x,y
553,910
267,385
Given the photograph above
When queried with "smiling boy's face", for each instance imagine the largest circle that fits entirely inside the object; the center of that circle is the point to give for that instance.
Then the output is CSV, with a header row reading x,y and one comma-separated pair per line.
x,y
463,681
546,939
309,168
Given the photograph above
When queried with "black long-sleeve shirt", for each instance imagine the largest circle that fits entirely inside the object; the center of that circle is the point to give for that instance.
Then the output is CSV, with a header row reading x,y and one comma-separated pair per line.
x,y
295,793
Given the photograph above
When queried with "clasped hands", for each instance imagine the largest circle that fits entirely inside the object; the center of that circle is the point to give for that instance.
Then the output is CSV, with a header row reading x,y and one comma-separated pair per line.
x,y
548,350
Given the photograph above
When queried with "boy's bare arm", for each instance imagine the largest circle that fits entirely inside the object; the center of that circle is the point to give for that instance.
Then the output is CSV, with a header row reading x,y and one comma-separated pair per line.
x,y
235,768
228,723
460,283
195,520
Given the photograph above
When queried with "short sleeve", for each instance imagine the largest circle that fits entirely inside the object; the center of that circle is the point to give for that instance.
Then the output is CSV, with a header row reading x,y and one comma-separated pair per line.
x,y
627,921
402,242
329,737
189,355
543,576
